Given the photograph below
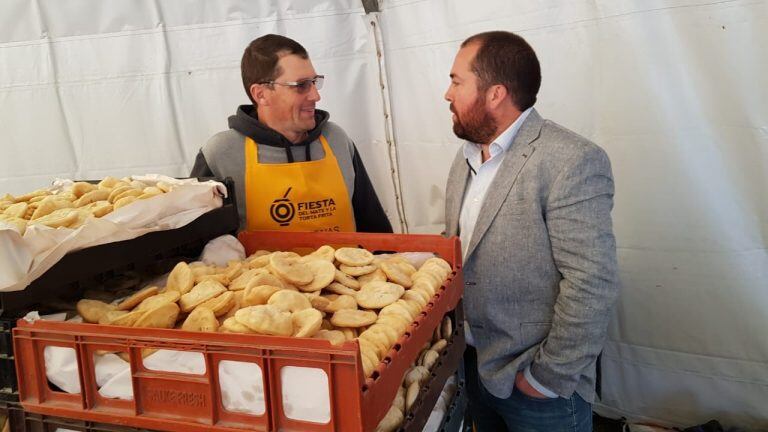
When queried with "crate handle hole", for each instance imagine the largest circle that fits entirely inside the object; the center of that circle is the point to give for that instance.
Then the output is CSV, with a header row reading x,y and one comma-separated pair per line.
x,y
112,370
241,385
62,369
305,394
164,360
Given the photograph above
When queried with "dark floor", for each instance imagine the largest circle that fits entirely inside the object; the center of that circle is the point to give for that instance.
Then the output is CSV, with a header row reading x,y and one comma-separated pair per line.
x,y
602,424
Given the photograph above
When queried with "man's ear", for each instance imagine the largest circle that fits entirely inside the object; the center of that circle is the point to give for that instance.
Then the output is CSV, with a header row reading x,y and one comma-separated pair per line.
x,y
495,95
259,94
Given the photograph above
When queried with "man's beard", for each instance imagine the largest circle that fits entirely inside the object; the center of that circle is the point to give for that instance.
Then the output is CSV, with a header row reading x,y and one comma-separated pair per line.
x,y
476,124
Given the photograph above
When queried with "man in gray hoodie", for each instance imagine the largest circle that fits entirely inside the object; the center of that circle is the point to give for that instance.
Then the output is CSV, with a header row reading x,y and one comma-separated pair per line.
x,y
293,169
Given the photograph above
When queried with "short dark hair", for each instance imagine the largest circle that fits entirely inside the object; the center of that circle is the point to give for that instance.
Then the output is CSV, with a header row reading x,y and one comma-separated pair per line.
x,y
506,58
260,59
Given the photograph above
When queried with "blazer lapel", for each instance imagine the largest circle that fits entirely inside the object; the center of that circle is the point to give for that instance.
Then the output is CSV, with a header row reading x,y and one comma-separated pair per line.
x,y
454,194
517,155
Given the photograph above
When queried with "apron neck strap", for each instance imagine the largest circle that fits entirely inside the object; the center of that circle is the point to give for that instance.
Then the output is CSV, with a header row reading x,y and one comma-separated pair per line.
x,y
326,146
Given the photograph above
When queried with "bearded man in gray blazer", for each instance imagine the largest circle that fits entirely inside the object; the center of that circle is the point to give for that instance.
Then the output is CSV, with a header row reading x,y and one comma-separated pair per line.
x,y
531,202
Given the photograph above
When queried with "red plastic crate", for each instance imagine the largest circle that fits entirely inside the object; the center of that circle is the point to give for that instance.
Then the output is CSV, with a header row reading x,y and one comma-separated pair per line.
x,y
183,402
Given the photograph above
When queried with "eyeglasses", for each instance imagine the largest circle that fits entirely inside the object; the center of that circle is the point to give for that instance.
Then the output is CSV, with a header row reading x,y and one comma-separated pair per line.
x,y
302,86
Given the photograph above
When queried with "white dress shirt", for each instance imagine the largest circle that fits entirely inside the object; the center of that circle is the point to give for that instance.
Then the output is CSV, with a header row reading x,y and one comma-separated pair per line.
x,y
481,176
480,179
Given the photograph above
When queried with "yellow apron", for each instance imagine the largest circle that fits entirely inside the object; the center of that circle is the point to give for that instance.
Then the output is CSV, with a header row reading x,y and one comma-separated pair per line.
x,y
298,196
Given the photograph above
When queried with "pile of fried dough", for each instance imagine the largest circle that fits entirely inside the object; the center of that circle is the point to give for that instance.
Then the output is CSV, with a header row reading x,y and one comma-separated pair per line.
x,y
338,295
73,205
416,376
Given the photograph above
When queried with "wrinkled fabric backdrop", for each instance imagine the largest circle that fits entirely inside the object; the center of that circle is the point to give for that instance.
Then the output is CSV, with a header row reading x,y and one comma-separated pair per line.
x,y
674,90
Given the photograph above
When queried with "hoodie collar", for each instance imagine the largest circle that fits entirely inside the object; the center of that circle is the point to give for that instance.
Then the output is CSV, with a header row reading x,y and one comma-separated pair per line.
x,y
246,121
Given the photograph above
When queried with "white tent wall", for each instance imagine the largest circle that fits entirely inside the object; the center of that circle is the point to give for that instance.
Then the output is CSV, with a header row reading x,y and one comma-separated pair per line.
x,y
89,89
674,90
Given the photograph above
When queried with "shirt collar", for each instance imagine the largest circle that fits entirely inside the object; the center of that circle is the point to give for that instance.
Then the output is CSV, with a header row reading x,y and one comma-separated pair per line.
x,y
472,151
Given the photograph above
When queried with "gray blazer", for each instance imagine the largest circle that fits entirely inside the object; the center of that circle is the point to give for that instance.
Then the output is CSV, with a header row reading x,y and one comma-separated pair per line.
x,y
540,271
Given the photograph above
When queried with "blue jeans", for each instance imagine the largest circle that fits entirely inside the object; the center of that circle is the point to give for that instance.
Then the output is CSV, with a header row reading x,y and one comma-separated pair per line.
x,y
519,412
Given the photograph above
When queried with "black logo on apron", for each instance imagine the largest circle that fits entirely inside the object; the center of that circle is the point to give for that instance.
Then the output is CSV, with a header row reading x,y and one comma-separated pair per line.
x,y
282,210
